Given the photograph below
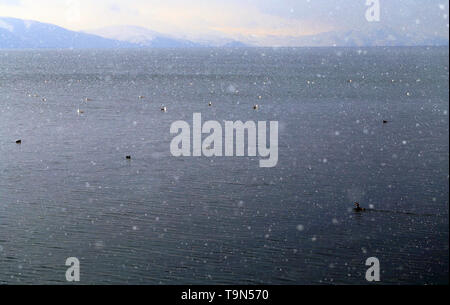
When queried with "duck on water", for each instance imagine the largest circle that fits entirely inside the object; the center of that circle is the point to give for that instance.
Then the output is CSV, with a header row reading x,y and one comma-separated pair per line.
x,y
358,208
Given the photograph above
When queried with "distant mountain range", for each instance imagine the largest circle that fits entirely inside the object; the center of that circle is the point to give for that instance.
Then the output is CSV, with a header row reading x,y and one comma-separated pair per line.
x,y
369,37
25,34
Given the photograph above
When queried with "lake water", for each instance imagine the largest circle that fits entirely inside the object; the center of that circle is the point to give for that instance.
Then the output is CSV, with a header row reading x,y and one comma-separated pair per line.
x,y
68,191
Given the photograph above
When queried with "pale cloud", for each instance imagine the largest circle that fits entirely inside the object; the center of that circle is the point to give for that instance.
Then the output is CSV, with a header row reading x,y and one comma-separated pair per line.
x,y
10,2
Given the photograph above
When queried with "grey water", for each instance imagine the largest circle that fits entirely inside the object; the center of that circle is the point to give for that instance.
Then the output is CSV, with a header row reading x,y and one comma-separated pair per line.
x,y
68,190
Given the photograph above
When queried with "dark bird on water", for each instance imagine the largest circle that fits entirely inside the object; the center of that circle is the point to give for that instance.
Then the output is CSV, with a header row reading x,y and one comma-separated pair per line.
x,y
128,157
19,142
385,122
358,208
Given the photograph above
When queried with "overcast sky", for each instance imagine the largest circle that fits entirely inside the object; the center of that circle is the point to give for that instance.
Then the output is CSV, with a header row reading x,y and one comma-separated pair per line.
x,y
233,17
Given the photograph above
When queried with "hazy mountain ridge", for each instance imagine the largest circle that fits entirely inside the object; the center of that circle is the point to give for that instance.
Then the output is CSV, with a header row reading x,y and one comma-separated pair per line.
x,y
25,34
370,37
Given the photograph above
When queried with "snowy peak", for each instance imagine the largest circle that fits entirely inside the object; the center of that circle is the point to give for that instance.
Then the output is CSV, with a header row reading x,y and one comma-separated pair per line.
x,y
134,34
142,37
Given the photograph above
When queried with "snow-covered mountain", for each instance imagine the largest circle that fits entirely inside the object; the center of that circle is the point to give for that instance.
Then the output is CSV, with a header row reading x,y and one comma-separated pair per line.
x,y
142,37
25,34
148,38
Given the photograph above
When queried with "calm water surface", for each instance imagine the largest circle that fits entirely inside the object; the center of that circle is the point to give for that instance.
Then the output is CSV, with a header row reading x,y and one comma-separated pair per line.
x,y
67,190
